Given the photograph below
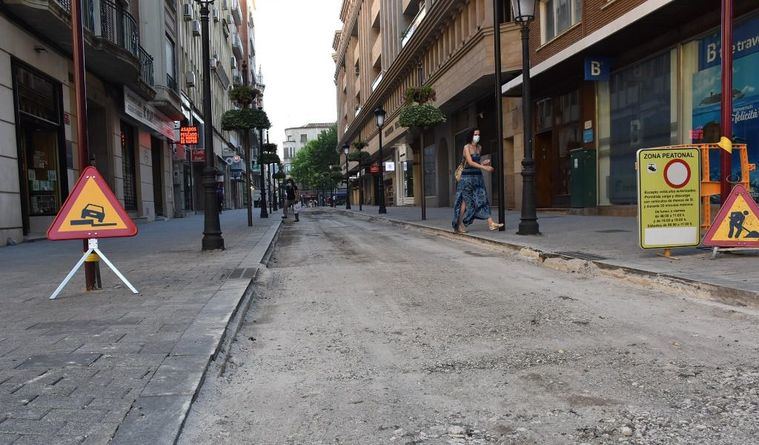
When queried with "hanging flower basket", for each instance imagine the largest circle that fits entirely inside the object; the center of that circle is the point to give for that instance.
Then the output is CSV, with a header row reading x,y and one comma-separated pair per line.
x,y
269,158
270,148
243,94
420,116
417,113
360,145
359,156
244,119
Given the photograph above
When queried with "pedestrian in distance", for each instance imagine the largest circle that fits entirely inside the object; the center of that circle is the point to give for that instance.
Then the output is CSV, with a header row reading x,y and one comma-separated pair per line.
x,y
291,192
471,197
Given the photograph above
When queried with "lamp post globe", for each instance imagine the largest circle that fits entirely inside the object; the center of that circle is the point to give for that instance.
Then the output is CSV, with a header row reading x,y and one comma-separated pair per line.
x,y
346,150
212,239
524,13
379,115
523,10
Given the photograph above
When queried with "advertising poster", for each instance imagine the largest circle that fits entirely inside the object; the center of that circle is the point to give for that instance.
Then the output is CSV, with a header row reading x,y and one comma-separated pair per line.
x,y
707,96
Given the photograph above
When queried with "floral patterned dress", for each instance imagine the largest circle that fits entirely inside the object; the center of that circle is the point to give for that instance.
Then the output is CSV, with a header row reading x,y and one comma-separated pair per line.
x,y
471,190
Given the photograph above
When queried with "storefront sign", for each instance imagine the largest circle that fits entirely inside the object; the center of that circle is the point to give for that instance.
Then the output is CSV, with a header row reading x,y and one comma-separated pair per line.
x,y
745,42
737,223
597,68
374,169
189,135
140,110
198,156
669,205
587,136
707,95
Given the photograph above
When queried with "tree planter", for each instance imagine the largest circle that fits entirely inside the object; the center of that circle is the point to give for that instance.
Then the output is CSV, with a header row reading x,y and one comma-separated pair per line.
x,y
245,119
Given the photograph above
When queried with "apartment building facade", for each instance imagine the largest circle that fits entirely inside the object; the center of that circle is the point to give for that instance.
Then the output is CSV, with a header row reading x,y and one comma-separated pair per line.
x,y
227,53
297,138
386,46
612,76
130,135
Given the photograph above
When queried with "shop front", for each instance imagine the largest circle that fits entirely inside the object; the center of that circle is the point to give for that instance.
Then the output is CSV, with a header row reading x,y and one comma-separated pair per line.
x,y
42,154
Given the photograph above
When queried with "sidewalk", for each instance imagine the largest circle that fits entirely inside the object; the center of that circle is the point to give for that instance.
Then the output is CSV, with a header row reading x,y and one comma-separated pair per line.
x,y
609,242
78,369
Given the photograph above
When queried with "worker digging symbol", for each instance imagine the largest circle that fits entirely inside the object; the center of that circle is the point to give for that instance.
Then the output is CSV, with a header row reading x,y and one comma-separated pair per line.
x,y
737,219
94,211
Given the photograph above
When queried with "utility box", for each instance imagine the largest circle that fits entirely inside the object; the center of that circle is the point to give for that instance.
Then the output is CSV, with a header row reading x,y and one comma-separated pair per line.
x,y
582,183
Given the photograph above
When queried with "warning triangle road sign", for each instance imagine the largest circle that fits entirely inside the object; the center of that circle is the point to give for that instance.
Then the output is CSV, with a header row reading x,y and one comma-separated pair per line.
x,y
737,223
91,211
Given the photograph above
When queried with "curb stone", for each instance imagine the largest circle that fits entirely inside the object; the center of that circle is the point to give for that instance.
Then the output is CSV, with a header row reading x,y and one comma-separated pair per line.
x,y
159,413
600,268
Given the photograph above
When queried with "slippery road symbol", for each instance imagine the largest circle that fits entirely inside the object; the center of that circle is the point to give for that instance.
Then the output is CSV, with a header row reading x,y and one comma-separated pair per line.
x,y
94,211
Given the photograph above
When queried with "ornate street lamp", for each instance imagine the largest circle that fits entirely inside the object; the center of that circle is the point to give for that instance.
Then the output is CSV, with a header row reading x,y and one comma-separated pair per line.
x,y
499,164
212,239
346,149
524,13
379,115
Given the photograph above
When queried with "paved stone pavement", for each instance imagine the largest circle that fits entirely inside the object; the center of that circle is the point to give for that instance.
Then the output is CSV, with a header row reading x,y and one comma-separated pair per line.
x,y
78,369
606,239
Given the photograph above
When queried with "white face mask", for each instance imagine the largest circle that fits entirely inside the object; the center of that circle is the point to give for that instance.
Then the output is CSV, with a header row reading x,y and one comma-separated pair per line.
x,y
476,139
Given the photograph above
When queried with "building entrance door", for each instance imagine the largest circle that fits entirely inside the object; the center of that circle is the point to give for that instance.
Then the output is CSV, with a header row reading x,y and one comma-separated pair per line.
x,y
545,159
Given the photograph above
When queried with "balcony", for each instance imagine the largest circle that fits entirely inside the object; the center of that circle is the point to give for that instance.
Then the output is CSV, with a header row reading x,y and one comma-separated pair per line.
x,y
112,38
375,14
237,48
409,32
236,12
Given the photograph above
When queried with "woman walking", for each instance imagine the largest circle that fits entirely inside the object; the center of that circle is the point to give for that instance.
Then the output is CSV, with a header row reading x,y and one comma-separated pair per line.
x,y
471,196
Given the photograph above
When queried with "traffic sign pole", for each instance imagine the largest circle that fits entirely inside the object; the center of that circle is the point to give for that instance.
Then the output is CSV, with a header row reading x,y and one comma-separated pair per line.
x,y
726,158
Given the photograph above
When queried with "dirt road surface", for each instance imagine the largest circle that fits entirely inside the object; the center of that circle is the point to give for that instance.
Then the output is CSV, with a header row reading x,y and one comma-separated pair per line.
x,y
365,333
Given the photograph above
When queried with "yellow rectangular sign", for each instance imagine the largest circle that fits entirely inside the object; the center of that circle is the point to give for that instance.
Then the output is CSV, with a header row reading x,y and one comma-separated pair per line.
x,y
669,192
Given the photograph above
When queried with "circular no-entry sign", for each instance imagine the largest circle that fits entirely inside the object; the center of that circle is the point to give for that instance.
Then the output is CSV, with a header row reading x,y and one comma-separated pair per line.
x,y
677,174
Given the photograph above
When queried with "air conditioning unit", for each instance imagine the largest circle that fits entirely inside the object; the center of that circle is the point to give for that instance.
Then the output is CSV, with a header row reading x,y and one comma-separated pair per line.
x,y
214,61
190,79
188,12
215,14
196,28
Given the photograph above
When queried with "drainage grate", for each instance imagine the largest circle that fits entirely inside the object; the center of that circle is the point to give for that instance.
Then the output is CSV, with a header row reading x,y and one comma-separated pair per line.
x,y
614,231
582,256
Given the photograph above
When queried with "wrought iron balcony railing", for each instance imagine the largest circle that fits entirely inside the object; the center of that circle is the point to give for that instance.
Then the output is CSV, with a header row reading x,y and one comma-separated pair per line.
x,y
146,67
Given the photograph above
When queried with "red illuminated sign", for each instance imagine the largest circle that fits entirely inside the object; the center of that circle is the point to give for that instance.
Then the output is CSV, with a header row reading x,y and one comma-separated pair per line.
x,y
188,135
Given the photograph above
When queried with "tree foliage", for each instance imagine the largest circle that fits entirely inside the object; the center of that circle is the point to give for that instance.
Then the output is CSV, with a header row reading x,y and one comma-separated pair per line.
x,y
311,167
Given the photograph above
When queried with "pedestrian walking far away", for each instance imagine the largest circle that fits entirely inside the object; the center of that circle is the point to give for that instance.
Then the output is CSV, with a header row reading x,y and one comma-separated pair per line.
x,y
291,196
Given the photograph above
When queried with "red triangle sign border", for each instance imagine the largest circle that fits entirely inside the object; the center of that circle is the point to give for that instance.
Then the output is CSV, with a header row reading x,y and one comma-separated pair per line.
x,y
54,233
722,215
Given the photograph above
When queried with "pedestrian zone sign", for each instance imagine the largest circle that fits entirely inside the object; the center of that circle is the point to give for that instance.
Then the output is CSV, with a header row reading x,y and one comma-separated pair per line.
x,y
737,223
669,197
91,211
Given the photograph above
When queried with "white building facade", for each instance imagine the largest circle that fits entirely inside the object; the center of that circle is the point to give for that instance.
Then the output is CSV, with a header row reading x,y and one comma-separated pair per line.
x,y
297,138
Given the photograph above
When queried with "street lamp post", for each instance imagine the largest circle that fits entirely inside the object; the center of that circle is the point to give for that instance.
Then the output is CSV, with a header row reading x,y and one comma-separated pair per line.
x,y
262,200
346,149
500,165
379,115
212,239
524,13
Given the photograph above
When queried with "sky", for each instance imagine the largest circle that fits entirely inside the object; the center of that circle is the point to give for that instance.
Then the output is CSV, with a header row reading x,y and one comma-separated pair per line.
x,y
294,49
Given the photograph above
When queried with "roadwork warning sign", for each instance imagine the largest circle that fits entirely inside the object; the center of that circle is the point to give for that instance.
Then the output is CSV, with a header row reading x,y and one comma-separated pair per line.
x,y
91,211
737,223
669,189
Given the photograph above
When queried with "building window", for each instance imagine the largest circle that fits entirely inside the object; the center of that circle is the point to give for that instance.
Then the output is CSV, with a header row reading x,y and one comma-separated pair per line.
x,y
171,67
40,147
558,16
304,139
505,15
641,116
128,164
